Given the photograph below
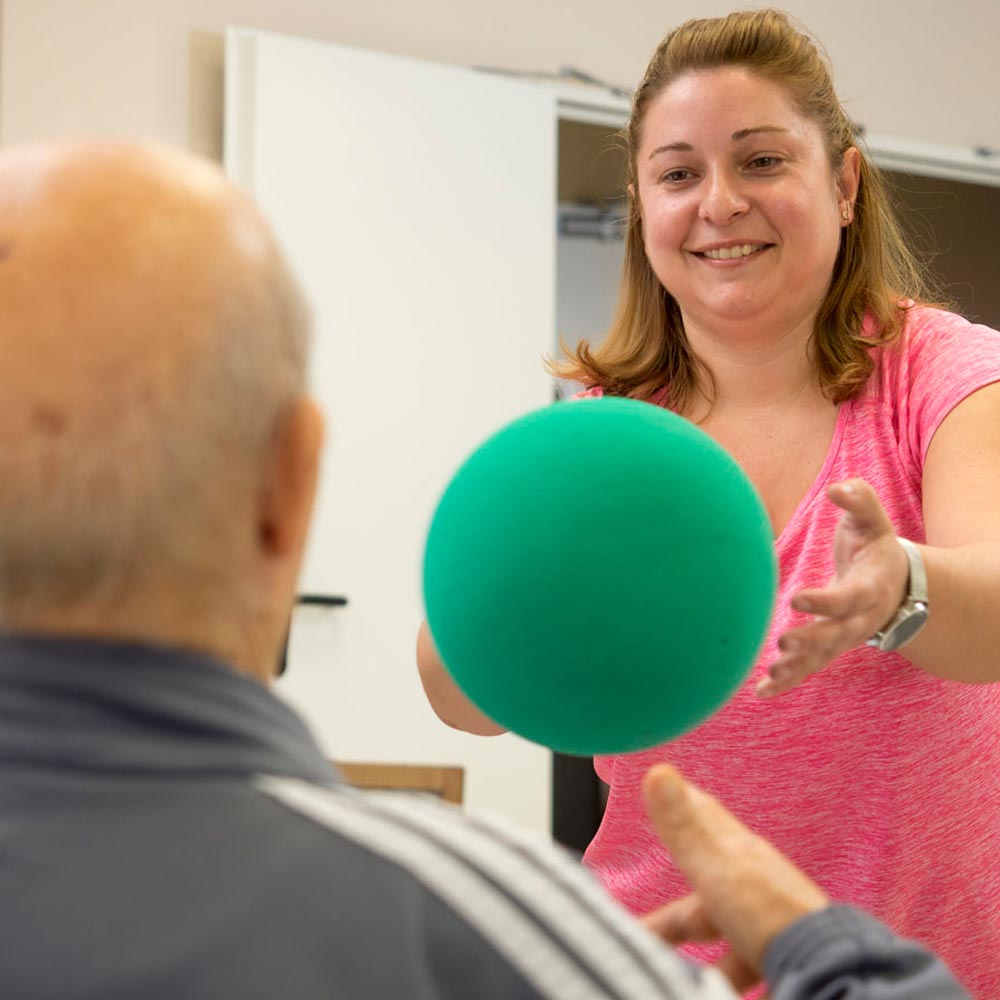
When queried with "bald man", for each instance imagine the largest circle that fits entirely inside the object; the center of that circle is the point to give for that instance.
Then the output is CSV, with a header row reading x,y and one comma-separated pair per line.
x,y
170,829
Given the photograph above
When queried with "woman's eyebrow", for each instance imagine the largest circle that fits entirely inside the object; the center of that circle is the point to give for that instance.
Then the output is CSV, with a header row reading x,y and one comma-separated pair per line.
x,y
743,133
674,147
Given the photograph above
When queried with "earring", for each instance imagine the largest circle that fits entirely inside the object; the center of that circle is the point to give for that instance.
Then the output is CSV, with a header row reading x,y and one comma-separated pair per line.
x,y
845,215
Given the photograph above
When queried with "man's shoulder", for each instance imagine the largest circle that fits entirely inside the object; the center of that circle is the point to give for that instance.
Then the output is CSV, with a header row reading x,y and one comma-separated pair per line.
x,y
525,900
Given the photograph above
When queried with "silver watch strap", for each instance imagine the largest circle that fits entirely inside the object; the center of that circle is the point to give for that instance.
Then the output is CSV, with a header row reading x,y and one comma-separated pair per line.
x,y
911,616
918,574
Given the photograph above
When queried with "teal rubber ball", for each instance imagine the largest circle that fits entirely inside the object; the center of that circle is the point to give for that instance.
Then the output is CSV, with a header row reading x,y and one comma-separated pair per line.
x,y
599,576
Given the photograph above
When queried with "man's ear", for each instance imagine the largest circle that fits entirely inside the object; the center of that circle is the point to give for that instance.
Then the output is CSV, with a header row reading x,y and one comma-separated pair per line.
x,y
289,484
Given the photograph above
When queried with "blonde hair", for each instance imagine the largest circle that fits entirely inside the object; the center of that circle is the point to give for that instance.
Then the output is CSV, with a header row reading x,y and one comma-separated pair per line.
x,y
646,349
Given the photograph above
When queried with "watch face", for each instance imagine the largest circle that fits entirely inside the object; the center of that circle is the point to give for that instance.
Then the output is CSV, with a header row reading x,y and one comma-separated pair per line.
x,y
903,631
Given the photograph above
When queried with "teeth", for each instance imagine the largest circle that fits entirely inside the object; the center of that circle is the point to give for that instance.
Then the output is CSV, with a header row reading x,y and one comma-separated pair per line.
x,y
728,253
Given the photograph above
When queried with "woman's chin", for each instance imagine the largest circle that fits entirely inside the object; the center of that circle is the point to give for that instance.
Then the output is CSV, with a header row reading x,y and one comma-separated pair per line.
x,y
736,309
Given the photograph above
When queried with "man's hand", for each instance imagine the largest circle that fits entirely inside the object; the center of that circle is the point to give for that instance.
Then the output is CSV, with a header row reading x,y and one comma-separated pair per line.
x,y
745,891
871,570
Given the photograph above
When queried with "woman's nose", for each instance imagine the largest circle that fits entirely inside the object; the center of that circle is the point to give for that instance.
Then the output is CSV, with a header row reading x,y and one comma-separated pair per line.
x,y
723,199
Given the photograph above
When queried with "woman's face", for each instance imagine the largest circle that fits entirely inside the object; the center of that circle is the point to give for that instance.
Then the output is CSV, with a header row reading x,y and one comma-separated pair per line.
x,y
741,209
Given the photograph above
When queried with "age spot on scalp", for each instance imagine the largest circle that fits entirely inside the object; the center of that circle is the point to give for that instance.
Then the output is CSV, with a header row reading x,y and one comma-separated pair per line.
x,y
5,250
48,420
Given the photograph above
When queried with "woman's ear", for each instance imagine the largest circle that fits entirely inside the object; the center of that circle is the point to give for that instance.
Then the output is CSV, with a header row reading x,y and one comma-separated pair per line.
x,y
849,179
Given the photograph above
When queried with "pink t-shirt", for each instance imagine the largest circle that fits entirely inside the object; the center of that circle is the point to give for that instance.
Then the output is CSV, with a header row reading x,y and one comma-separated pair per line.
x,y
881,781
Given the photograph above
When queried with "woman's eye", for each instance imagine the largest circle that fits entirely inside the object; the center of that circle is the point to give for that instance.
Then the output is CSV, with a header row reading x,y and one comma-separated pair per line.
x,y
676,176
763,162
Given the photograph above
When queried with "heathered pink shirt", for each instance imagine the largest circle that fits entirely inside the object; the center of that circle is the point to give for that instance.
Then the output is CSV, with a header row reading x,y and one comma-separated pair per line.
x,y
881,781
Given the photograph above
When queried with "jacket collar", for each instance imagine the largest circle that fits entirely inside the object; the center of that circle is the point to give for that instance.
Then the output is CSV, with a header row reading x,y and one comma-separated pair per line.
x,y
116,706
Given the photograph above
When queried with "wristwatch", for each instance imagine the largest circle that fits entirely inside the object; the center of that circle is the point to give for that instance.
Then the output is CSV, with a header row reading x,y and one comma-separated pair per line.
x,y
913,612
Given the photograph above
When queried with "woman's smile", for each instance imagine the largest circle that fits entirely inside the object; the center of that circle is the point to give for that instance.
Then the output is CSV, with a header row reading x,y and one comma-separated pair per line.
x,y
732,253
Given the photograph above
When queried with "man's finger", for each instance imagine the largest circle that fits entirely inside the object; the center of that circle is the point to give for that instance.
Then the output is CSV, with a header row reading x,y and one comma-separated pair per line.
x,y
740,975
682,920
667,795
692,826
749,890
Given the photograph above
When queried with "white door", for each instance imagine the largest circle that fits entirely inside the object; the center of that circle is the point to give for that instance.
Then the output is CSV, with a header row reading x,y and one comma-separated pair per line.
x,y
417,204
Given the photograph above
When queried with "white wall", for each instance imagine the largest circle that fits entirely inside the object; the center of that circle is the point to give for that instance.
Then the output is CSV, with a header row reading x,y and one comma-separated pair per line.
x,y
399,429
917,68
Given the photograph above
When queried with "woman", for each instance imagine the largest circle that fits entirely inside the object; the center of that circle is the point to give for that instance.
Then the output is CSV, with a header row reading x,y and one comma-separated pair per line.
x,y
769,297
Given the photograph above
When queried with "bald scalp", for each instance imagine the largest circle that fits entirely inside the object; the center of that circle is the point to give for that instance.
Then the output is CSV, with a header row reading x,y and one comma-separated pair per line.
x,y
133,249
151,337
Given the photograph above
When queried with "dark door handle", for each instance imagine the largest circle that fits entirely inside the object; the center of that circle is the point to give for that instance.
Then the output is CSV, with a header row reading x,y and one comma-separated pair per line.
x,y
311,600
322,600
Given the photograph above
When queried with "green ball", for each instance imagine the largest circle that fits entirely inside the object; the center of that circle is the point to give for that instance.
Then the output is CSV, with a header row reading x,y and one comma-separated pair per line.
x,y
599,576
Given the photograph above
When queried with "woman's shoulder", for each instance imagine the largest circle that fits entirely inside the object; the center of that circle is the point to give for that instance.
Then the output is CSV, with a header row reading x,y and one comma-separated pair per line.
x,y
924,325
592,392
659,398
936,340
939,359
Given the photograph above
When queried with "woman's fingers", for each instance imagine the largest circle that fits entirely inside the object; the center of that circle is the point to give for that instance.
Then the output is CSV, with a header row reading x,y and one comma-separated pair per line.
x,y
860,596
858,499
870,581
807,649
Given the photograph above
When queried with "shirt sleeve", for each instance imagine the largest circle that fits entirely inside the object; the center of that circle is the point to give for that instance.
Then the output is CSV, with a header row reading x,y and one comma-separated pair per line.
x,y
941,360
843,953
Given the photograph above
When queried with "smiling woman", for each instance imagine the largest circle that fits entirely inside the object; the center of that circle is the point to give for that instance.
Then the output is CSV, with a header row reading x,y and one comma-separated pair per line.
x,y
741,208
767,295
780,116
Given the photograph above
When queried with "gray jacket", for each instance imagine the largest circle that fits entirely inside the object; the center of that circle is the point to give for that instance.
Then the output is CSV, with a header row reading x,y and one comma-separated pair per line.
x,y
169,829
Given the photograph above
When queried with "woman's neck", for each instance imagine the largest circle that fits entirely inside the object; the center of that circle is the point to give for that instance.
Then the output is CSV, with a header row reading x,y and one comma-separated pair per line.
x,y
752,371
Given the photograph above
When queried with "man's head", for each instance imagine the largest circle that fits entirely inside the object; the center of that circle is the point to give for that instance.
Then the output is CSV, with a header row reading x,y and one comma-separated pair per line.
x,y
157,454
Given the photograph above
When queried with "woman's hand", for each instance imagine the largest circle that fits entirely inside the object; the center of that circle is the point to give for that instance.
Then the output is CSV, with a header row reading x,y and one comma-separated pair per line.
x,y
869,585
